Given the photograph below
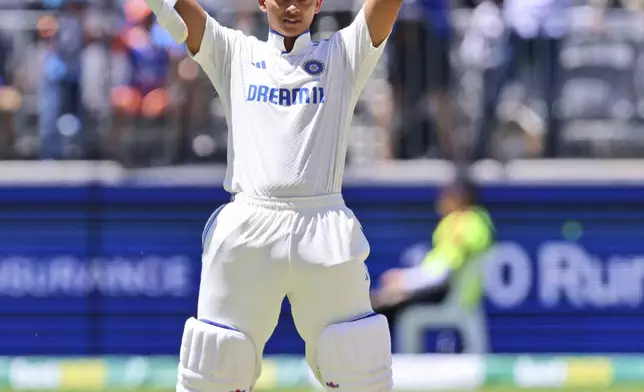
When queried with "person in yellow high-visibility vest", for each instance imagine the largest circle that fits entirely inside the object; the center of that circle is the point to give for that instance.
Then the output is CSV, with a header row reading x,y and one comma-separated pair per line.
x,y
462,236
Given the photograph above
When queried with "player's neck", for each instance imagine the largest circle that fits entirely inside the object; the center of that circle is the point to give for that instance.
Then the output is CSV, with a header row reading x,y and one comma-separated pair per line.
x,y
289,43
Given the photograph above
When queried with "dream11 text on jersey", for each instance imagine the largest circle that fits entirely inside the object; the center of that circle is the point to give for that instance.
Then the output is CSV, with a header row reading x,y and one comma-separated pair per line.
x,y
285,96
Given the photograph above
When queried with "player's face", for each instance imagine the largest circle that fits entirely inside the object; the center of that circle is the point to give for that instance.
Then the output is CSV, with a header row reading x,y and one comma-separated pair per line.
x,y
290,17
449,201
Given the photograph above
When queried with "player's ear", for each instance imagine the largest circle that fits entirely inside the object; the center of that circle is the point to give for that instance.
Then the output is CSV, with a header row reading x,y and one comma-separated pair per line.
x,y
318,6
262,5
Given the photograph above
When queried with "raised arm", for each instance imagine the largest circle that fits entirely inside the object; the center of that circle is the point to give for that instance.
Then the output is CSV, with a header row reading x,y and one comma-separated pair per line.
x,y
210,44
381,16
185,20
195,18
363,42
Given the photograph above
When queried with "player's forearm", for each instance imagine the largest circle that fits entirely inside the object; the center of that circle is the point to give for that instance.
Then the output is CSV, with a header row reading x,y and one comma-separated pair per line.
x,y
185,20
420,279
195,17
381,16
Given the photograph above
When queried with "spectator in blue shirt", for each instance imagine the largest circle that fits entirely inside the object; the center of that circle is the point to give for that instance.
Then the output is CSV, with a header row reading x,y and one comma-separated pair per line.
x,y
142,98
10,98
59,90
535,31
149,51
420,73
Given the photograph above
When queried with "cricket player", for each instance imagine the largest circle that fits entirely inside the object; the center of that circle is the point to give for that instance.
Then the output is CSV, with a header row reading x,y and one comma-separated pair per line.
x,y
463,236
289,103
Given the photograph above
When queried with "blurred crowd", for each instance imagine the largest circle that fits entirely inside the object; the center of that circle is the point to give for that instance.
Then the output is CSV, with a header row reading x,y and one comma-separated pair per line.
x,y
462,79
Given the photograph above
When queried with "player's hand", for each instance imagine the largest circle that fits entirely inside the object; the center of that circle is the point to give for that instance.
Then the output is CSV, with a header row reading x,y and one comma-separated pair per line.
x,y
393,285
386,298
392,277
393,290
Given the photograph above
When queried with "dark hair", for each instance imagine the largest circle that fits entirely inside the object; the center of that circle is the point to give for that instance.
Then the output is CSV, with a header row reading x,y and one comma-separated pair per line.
x,y
466,188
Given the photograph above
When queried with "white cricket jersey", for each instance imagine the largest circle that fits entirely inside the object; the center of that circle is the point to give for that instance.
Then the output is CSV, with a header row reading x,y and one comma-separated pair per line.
x,y
288,114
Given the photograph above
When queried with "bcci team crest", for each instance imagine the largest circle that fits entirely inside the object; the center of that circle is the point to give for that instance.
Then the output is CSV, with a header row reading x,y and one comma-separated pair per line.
x,y
314,67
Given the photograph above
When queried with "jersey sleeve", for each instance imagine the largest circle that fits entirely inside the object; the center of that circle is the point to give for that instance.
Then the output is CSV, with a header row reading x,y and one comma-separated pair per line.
x,y
216,53
358,50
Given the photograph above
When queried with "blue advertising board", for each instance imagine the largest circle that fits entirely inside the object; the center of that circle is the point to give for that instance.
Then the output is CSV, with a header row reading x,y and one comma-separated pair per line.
x,y
115,270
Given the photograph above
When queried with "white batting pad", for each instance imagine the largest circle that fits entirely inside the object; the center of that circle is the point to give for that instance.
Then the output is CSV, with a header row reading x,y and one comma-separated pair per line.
x,y
356,356
215,358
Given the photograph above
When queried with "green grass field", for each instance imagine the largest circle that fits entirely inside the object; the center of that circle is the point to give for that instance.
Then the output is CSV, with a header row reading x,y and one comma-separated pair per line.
x,y
488,389
504,389
509,389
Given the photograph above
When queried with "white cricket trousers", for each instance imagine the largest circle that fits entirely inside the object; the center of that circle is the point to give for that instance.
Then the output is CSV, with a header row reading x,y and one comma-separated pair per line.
x,y
258,251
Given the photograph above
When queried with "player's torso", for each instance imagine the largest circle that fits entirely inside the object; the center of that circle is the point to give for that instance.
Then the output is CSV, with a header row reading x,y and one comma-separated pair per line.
x,y
289,118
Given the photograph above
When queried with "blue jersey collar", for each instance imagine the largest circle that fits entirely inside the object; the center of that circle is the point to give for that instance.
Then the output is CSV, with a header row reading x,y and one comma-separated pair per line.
x,y
277,40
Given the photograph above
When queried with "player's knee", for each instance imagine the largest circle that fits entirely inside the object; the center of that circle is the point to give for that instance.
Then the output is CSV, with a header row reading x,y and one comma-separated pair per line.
x,y
356,356
215,358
